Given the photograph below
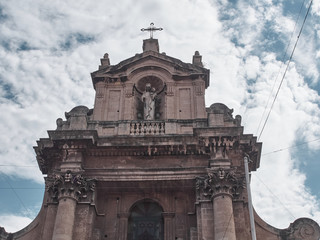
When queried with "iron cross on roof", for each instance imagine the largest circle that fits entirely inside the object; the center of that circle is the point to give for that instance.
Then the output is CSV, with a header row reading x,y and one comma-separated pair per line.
x,y
151,29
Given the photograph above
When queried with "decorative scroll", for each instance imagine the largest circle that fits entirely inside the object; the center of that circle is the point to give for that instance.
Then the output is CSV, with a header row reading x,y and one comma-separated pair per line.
x,y
69,185
219,181
302,228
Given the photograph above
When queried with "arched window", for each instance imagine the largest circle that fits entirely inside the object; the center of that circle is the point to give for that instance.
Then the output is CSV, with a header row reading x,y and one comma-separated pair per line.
x,y
145,221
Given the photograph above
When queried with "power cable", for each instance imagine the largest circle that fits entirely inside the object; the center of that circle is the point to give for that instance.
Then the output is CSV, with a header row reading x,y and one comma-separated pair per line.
x,y
282,63
19,199
227,226
276,197
294,146
294,48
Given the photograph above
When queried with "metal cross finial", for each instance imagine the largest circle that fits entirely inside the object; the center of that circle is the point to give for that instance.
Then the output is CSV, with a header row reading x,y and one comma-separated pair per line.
x,y
151,29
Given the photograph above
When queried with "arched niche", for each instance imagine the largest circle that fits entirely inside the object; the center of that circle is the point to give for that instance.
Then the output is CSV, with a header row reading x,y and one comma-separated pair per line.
x,y
158,86
146,221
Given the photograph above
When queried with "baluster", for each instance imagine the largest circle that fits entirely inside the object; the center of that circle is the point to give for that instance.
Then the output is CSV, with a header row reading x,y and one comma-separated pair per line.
x,y
155,128
135,129
147,128
131,129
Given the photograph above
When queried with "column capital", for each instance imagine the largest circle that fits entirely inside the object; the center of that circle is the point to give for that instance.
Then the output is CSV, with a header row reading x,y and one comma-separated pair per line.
x,y
69,185
219,181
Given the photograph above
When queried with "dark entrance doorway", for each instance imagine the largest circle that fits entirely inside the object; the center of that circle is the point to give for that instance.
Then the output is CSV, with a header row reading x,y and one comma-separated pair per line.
x,y
145,221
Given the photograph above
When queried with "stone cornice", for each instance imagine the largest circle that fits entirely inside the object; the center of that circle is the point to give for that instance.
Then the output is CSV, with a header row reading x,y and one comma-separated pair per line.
x,y
148,174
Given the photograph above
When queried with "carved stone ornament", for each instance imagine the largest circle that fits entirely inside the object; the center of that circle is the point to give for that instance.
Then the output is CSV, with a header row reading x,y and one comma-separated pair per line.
x,y
218,145
219,181
302,229
69,184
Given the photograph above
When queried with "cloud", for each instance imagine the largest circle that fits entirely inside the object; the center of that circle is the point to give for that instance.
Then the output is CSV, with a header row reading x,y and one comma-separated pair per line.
x,y
14,223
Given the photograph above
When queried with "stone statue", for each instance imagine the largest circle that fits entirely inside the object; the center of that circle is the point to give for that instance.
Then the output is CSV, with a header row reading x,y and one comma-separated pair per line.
x,y
148,98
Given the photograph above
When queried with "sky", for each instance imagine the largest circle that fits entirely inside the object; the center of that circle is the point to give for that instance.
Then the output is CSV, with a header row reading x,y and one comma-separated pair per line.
x,y
49,48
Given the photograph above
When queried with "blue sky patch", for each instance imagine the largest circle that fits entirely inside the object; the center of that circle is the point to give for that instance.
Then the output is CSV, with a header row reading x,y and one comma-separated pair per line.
x,y
309,163
20,196
76,39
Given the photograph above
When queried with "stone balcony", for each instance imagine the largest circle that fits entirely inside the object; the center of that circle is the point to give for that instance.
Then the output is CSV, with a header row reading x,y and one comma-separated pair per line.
x,y
142,128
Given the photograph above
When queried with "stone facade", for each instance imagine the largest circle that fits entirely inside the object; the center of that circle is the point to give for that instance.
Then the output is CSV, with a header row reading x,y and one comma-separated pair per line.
x,y
150,161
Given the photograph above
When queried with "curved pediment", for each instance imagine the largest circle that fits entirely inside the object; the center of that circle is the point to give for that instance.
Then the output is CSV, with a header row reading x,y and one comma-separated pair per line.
x,y
174,68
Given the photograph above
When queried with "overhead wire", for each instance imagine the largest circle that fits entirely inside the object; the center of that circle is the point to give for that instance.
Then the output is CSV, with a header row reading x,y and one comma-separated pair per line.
x,y
276,197
18,197
293,146
224,234
285,72
282,63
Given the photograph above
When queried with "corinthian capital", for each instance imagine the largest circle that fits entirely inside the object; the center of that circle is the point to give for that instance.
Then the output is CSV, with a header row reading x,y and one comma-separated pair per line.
x,y
69,184
220,181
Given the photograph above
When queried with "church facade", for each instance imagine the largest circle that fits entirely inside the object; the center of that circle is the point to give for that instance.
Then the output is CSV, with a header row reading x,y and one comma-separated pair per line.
x,y
150,161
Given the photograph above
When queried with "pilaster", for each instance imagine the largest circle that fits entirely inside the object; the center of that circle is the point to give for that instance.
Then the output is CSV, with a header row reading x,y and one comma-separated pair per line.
x,y
123,225
205,221
169,227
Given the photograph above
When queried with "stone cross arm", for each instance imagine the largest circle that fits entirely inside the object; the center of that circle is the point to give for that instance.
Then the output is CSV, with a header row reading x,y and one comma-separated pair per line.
x,y
151,29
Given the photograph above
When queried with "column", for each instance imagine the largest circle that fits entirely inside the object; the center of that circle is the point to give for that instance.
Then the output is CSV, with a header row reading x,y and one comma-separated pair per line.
x,y
224,227
168,225
63,227
219,185
67,189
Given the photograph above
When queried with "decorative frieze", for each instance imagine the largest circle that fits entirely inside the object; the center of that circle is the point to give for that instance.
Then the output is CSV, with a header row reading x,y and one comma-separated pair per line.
x,y
221,181
221,144
70,184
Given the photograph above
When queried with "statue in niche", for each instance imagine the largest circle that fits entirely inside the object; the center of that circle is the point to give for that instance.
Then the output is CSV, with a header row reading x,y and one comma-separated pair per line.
x,y
148,98
150,101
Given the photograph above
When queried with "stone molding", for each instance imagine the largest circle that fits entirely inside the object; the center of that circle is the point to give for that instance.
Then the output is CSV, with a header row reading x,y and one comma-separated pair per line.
x,y
217,182
70,185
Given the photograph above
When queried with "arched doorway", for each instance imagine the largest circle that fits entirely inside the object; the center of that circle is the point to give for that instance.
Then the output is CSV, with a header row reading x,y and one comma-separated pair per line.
x,y
145,221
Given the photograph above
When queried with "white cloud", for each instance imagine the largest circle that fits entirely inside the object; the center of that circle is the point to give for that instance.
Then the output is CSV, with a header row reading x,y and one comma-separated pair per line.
x,y
14,223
